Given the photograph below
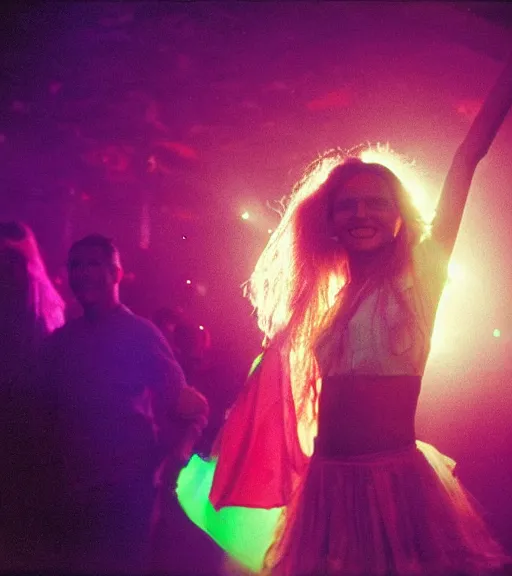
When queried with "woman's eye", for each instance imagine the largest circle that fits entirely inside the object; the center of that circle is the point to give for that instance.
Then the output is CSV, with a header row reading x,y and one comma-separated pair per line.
x,y
351,205
344,205
379,203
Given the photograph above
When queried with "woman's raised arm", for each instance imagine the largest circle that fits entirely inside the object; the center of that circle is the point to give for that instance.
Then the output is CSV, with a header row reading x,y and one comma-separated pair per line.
x,y
474,147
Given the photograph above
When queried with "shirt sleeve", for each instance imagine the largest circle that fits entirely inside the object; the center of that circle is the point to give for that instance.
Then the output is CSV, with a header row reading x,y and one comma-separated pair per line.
x,y
170,377
166,380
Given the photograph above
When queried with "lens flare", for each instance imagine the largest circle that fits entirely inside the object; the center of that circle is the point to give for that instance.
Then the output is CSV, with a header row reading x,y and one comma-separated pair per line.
x,y
455,272
408,173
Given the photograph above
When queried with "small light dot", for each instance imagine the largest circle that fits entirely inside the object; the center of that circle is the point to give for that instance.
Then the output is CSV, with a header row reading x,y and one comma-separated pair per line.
x,y
189,282
183,237
245,216
496,333
201,327
270,230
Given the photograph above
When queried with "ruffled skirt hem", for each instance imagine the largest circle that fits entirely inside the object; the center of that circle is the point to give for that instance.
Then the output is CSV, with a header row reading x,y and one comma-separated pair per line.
x,y
401,513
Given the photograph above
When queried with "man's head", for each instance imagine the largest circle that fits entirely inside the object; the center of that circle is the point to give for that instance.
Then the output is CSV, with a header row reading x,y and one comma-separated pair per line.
x,y
94,271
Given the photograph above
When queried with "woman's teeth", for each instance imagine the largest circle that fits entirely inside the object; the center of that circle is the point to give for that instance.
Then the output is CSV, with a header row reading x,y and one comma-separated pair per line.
x,y
363,232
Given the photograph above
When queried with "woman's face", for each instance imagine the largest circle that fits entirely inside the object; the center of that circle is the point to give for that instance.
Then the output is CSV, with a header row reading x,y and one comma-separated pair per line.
x,y
365,215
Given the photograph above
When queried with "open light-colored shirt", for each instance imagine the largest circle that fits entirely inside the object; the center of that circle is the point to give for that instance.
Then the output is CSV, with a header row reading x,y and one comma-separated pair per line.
x,y
380,338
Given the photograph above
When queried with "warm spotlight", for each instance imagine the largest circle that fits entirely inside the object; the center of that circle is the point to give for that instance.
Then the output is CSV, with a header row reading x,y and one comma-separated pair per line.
x,y
409,174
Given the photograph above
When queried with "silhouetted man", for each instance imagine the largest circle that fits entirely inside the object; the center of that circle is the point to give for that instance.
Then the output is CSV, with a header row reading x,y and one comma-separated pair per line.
x,y
117,397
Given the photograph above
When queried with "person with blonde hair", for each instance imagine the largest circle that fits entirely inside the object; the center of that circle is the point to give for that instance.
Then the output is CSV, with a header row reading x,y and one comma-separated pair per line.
x,y
24,282
346,293
30,309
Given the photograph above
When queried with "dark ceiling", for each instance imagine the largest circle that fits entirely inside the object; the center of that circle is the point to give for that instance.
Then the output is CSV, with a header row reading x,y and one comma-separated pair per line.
x,y
174,117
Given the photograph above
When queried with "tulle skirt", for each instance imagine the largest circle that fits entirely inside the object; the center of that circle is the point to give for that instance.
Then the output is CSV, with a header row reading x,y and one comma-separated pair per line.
x,y
399,513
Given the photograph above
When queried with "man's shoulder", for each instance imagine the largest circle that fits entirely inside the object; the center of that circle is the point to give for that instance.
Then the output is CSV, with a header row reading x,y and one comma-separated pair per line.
x,y
144,335
139,324
66,329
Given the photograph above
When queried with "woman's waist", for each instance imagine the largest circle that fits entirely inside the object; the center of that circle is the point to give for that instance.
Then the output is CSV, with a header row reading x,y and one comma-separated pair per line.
x,y
369,391
384,379
347,444
371,458
366,414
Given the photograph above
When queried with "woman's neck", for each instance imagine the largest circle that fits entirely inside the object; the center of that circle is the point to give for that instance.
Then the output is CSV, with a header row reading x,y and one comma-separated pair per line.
x,y
364,265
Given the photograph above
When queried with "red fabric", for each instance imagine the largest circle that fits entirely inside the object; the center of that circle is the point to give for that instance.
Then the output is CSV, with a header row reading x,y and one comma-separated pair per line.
x,y
259,456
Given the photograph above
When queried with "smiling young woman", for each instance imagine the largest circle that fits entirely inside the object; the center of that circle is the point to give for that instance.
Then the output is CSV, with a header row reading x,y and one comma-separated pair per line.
x,y
346,293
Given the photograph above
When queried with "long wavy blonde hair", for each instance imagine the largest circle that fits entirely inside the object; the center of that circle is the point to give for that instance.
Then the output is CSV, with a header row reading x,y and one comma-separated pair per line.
x,y
44,306
301,284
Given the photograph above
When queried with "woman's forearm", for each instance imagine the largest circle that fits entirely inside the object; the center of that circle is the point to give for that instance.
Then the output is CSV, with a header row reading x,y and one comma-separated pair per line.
x,y
489,119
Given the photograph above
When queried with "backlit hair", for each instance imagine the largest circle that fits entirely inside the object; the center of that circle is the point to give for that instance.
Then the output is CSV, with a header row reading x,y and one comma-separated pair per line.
x,y
301,283
45,306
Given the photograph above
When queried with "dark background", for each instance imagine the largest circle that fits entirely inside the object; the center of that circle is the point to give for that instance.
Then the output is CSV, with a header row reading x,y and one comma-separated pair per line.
x,y
152,122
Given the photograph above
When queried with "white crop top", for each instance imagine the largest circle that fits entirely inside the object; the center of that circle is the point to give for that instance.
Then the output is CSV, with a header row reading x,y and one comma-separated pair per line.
x,y
378,339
